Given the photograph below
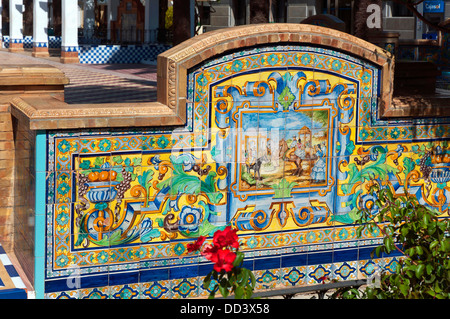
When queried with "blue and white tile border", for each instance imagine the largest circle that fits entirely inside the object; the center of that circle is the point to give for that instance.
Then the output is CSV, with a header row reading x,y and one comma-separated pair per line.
x,y
102,54
11,270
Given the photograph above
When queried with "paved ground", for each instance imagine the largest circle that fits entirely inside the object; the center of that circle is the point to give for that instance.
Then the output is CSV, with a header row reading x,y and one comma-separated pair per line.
x,y
97,83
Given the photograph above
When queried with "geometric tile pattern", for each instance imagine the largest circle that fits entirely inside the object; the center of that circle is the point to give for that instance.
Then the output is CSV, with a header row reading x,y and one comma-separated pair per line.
x,y
11,285
53,42
98,54
102,54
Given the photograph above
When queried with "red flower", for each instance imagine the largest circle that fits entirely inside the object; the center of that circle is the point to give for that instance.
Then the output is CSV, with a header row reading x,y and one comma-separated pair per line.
x,y
226,237
196,245
225,259
210,252
322,279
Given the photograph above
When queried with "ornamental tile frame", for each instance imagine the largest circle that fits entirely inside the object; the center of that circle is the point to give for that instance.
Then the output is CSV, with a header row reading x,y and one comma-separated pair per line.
x,y
281,135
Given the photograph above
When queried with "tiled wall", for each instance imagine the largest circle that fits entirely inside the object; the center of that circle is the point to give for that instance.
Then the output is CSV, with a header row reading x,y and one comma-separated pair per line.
x,y
53,42
280,142
99,54
102,54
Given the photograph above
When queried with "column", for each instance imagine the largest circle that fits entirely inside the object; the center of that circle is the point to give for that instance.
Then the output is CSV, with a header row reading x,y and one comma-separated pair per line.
x,y
16,25
88,19
151,20
192,18
108,20
40,26
112,16
69,41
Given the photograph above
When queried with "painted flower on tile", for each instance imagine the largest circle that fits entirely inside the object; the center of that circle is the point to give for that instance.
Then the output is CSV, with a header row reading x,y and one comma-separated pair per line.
x,y
365,77
141,252
252,242
201,140
345,270
320,273
156,290
306,59
104,145
395,133
64,146
272,59
190,218
62,260
336,65
286,98
237,65
179,249
294,276
102,257
63,218
267,278
343,234
184,288
363,134
163,142
310,236
63,188
440,131
202,80
126,293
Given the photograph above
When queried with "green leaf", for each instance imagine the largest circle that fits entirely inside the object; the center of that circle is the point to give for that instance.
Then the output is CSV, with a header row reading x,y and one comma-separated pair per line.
x,y
419,270
98,161
85,164
426,219
388,244
429,269
419,250
239,259
137,161
378,251
223,291
117,159
239,292
404,289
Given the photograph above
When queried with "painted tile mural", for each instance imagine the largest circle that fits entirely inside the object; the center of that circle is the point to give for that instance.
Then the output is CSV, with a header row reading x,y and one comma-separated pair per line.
x,y
280,143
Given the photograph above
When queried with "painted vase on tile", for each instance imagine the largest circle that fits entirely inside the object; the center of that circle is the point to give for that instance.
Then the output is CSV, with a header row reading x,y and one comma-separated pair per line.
x,y
101,191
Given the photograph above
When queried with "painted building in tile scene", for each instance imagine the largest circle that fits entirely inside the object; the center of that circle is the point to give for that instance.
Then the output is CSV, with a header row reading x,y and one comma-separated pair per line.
x,y
274,129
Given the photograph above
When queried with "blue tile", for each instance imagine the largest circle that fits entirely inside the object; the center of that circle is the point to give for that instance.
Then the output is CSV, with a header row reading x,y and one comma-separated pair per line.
x,y
12,272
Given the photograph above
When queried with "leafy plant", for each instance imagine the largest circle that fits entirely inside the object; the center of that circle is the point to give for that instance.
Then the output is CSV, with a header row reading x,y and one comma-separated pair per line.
x,y
419,235
228,276
283,189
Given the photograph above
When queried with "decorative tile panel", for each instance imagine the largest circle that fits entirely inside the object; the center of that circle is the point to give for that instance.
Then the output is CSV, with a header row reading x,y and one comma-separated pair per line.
x,y
280,142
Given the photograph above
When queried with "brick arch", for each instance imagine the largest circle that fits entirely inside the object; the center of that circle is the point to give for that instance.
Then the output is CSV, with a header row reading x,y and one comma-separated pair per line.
x,y
174,63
